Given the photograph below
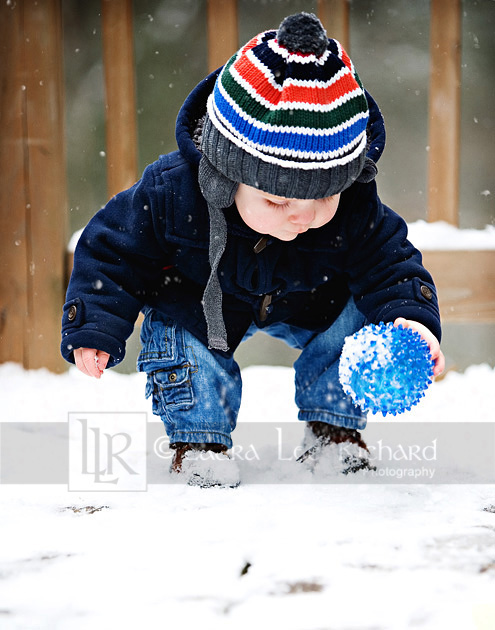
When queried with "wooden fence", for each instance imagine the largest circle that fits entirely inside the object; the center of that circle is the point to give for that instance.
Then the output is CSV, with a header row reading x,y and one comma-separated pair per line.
x,y
33,210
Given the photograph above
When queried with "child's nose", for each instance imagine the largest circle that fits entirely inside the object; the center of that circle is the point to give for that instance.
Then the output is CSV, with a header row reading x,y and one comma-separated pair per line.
x,y
302,215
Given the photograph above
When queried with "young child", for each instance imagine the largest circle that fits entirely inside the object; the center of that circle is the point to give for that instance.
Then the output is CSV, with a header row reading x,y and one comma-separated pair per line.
x,y
267,217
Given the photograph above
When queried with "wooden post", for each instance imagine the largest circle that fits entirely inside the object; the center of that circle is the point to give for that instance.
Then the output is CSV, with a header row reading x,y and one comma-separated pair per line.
x,y
33,201
334,15
120,95
223,32
444,111
13,245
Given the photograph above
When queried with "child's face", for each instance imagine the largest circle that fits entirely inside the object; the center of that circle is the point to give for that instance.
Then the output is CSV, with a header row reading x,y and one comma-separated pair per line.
x,y
283,218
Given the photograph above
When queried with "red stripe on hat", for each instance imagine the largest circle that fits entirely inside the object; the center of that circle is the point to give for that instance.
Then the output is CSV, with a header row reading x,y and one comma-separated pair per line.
x,y
319,95
346,59
251,44
257,80
292,93
295,53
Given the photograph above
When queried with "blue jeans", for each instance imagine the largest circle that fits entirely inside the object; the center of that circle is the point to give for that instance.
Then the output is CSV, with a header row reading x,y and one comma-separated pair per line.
x,y
197,392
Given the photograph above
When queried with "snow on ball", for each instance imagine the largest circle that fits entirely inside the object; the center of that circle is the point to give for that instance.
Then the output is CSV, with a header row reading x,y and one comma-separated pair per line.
x,y
385,368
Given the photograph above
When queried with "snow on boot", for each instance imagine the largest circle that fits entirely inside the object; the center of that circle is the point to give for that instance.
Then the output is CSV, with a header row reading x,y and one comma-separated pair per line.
x,y
329,449
204,465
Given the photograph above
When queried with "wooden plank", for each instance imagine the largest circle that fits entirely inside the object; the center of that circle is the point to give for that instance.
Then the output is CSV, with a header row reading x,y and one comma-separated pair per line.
x,y
334,15
13,244
223,32
466,284
120,95
444,111
47,204
39,198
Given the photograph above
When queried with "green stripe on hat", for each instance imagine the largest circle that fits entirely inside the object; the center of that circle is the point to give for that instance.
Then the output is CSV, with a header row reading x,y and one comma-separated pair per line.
x,y
292,117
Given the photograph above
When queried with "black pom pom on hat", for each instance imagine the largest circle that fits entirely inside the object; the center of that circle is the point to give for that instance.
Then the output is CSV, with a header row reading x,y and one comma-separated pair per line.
x,y
303,33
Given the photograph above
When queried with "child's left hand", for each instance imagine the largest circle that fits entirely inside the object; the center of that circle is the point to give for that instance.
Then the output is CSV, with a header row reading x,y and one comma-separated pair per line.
x,y
431,340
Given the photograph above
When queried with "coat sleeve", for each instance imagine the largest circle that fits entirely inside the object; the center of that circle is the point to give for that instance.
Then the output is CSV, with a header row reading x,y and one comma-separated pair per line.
x,y
386,274
117,262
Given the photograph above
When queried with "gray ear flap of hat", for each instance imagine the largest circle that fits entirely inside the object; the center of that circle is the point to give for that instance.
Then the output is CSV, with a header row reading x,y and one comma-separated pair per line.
x,y
368,173
218,190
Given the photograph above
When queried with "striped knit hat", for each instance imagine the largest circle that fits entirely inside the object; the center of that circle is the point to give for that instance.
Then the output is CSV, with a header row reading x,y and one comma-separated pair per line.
x,y
288,114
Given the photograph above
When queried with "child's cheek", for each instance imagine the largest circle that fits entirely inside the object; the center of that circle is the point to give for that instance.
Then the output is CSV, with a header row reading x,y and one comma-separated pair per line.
x,y
266,220
325,217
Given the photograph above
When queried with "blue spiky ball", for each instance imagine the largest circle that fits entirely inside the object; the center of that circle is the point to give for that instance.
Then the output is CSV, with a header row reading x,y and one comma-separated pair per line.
x,y
385,368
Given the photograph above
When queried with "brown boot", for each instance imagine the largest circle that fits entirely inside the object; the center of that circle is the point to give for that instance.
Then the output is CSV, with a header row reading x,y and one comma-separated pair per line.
x,y
181,448
204,465
345,447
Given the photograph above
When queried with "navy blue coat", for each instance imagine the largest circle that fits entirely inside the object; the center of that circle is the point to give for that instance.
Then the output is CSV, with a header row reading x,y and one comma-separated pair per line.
x,y
149,247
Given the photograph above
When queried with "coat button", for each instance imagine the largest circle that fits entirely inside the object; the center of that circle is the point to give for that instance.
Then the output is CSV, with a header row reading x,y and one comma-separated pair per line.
x,y
172,377
261,244
265,308
71,314
426,292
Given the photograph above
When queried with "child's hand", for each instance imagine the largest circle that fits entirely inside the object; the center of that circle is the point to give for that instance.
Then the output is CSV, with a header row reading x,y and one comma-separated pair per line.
x,y
91,362
431,340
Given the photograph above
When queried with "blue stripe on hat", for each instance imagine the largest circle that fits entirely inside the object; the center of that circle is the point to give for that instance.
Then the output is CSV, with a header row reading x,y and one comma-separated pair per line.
x,y
289,140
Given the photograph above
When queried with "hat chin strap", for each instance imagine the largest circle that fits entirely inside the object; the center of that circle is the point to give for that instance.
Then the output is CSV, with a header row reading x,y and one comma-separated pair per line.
x,y
212,296
219,192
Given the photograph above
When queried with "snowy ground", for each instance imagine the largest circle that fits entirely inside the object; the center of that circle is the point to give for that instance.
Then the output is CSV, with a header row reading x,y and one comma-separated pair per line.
x,y
277,552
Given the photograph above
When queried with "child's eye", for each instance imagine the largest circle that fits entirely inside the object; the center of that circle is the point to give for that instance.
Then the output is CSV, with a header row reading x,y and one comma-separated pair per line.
x,y
280,204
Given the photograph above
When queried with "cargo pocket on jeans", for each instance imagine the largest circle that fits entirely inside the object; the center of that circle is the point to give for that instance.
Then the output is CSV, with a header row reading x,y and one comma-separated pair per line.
x,y
171,388
158,339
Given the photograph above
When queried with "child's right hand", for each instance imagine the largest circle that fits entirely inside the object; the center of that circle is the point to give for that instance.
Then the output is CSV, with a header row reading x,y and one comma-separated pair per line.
x,y
91,362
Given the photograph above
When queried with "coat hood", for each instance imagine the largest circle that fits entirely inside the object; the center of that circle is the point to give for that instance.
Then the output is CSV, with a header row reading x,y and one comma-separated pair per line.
x,y
193,109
